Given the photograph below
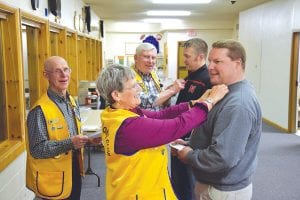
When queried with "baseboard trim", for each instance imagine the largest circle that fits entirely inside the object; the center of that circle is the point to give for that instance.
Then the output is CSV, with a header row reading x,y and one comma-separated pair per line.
x,y
275,125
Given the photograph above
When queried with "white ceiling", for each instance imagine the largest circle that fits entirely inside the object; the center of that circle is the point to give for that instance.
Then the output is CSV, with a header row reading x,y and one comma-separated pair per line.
x,y
135,10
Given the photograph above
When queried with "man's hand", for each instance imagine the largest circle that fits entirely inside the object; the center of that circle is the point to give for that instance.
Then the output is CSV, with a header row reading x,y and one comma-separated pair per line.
x,y
170,91
217,92
178,141
177,85
204,96
182,154
212,96
79,141
96,140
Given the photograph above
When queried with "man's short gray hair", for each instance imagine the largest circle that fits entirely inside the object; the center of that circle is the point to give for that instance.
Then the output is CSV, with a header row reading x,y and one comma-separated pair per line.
x,y
144,47
113,78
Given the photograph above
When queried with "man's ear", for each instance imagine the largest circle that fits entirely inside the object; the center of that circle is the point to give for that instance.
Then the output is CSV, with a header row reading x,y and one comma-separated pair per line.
x,y
46,75
201,56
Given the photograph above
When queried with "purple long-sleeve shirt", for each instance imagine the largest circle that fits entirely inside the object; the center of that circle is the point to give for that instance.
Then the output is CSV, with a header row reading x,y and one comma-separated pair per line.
x,y
155,128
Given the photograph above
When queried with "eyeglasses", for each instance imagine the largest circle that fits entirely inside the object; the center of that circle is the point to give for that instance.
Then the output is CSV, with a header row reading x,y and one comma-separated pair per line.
x,y
65,70
148,57
135,86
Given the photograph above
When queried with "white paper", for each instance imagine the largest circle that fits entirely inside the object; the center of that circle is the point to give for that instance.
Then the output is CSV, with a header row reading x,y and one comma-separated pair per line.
x,y
87,128
177,146
94,134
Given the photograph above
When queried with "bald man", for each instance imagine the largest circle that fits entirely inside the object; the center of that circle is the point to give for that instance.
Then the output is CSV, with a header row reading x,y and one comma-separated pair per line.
x,y
54,143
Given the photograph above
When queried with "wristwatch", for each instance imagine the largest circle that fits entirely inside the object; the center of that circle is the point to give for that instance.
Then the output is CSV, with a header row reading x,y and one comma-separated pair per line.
x,y
209,100
191,104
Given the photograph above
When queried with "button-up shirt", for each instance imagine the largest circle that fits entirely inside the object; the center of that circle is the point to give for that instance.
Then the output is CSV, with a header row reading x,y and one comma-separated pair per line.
x,y
39,143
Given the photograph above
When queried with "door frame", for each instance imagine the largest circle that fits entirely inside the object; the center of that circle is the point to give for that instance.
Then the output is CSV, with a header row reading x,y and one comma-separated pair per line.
x,y
294,84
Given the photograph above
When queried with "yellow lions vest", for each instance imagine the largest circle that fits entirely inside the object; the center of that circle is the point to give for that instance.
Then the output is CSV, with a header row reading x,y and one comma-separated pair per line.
x,y
140,81
51,178
143,175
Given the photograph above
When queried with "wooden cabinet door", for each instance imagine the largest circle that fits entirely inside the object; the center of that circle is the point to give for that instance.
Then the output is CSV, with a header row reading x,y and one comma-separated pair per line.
x,y
181,69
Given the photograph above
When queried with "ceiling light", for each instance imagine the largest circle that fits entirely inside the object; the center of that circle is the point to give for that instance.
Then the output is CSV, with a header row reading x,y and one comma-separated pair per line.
x,y
180,1
161,20
168,13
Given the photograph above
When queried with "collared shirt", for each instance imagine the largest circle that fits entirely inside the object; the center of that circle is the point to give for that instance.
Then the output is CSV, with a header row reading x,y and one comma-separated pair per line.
x,y
39,143
197,83
148,97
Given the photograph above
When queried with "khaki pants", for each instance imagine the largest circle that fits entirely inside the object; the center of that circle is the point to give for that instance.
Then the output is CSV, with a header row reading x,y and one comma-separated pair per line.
x,y
208,192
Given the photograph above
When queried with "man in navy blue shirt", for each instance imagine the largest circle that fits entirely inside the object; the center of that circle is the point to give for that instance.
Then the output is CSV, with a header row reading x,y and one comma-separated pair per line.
x,y
196,83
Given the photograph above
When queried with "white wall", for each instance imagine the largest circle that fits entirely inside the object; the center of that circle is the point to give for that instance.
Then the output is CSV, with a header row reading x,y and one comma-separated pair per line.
x,y
266,33
118,34
115,43
12,184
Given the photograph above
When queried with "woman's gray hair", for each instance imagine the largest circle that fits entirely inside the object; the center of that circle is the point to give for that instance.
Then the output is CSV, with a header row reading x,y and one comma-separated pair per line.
x,y
112,78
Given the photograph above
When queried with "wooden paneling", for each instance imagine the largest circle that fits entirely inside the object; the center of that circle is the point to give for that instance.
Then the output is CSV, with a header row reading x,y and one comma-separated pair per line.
x,y
81,58
98,59
10,150
72,55
14,75
3,116
93,60
53,44
44,53
88,50
12,90
43,40
62,43
38,48
58,40
33,66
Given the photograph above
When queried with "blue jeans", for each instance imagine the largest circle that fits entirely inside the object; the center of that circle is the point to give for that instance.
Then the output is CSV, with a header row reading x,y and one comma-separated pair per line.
x,y
183,180
76,178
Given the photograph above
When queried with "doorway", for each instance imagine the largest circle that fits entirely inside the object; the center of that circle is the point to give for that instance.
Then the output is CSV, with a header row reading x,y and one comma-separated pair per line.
x,y
35,51
294,93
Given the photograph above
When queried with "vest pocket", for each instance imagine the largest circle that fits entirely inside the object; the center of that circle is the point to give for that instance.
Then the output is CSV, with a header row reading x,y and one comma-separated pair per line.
x,y
50,184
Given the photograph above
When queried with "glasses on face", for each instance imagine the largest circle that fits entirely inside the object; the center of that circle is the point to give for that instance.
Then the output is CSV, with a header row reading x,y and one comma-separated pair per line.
x,y
65,70
135,86
149,57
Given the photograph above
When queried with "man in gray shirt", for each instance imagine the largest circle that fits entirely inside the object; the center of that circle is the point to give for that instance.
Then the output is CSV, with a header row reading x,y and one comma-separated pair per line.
x,y
223,151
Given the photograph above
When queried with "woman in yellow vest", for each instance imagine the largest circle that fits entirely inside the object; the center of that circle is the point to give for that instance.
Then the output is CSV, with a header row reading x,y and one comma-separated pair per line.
x,y
134,138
